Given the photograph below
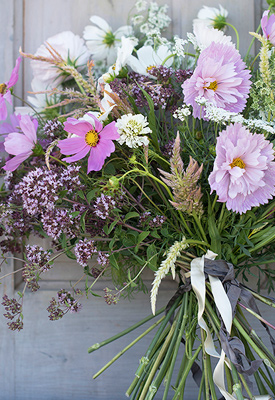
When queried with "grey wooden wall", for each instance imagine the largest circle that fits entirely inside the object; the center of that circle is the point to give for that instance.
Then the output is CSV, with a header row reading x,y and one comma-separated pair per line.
x,y
49,360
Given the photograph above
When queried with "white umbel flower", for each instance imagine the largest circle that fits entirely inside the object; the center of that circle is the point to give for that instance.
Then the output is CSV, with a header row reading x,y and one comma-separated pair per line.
x,y
133,130
166,265
102,41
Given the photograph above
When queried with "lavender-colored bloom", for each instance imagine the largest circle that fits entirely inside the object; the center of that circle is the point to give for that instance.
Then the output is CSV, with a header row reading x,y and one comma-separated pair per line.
x,y
220,77
244,170
84,250
103,205
268,26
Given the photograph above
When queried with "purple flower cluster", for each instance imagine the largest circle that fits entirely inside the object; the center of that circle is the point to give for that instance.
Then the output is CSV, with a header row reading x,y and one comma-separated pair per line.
x,y
103,205
153,222
103,259
84,250
162,92
13,312
65,300
109,297
53,128
58,221
38,261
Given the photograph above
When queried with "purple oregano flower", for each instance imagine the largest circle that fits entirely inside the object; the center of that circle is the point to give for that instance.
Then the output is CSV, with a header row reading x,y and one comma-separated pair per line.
x,y
244,170
220,77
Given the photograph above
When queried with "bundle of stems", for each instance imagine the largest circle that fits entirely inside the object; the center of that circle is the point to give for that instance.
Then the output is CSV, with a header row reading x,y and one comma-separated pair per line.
x,y
178,348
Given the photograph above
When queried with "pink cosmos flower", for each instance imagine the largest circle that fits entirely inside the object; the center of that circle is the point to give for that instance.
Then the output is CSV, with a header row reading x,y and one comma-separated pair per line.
x,y
268,27
244,170
21,145
220,77
5,94
89,137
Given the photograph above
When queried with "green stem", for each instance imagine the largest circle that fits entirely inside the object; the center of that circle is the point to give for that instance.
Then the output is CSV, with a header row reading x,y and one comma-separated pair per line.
x,y
177,345
236,33
157,362
186,372
237,388
128,347
125,332
205,366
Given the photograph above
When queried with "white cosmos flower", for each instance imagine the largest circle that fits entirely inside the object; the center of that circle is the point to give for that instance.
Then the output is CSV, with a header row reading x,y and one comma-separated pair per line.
x,y
212,16
133,130
147,57
102,41
205,35
70,47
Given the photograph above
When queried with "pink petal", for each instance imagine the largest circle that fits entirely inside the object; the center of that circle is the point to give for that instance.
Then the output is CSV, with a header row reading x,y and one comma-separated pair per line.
x,y
78,155
98,125
14,163
16,143
14,74
28,127
96,159
109,132
72,145
3,109
79,128
7,97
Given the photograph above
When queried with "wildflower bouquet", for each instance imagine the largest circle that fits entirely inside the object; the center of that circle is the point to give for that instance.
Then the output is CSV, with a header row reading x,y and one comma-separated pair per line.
x,y
137,152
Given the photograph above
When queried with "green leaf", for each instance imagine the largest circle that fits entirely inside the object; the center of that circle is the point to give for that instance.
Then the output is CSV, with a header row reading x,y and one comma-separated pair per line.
x,y
80,194
91,194
151,119
114,260
152,257
82,221
129,215
111,227
142,236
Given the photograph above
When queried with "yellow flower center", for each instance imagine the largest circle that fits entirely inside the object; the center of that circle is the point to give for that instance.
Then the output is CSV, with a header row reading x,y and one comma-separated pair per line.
x,y
148,69
237,162
91,138
3,88
212,86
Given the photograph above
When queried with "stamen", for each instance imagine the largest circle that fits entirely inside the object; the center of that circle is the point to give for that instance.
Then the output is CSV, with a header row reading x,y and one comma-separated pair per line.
x,y
212,86
237,162
3,88
91,138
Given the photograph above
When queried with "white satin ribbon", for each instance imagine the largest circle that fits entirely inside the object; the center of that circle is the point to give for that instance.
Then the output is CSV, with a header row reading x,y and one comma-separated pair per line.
x,y
225,309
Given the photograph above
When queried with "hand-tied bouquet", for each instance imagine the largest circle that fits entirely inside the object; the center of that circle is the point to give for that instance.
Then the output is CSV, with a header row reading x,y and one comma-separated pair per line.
x,y
140,153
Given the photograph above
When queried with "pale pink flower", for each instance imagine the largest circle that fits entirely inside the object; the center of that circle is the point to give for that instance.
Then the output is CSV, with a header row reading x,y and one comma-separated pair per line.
x,y
88,137
5,94
244,170
268,26
21,145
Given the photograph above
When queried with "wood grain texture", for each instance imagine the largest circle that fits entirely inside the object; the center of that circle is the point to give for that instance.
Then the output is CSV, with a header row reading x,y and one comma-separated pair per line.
x,y
49,360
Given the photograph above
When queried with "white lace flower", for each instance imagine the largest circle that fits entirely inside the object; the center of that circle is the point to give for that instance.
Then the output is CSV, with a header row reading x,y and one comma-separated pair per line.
x,y
102,41
179,46
147,57
133,130
141,5
182,113
70,47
